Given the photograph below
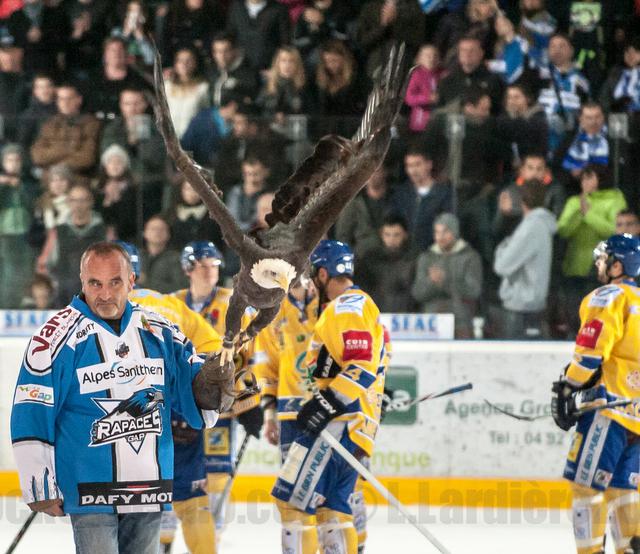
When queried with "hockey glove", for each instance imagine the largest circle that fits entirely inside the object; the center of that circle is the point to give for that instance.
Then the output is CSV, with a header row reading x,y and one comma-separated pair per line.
x,y
319,410
182,433
563,404
252,421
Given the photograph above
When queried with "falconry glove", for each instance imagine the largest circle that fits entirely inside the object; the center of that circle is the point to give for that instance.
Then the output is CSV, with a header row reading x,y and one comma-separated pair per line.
x,y
213,385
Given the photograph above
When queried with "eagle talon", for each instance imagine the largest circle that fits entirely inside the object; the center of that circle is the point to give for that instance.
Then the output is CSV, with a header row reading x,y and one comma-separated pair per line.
x,y
242,341
227,355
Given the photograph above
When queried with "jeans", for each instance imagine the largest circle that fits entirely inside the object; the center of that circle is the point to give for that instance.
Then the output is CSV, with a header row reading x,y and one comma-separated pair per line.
x,y
137,533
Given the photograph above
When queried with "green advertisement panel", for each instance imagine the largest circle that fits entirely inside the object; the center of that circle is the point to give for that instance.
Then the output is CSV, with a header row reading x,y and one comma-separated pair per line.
x,y
403,381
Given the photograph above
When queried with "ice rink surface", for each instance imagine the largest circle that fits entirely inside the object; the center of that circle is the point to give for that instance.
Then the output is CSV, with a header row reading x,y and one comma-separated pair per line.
x,y
254,529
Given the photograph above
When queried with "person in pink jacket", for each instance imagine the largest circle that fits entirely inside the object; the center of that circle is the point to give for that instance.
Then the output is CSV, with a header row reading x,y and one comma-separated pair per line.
x,y
421,93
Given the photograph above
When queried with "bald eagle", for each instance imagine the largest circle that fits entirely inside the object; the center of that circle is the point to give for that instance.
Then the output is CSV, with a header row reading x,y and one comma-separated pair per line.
x,y
304,207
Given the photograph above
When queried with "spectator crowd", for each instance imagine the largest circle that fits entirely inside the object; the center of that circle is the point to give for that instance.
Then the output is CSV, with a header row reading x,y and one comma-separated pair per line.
x,y
517,149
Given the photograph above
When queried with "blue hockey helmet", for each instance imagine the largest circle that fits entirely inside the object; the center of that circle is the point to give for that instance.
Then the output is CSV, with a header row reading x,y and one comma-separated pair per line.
x,y
335,256
134,255
623,248
197,250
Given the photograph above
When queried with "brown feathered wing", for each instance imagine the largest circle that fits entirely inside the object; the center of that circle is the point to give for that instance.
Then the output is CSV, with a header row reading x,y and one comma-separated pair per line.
x,y
311,200
195,174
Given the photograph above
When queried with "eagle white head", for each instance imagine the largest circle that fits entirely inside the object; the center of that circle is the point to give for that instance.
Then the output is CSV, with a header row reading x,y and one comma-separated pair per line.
x,y
273,273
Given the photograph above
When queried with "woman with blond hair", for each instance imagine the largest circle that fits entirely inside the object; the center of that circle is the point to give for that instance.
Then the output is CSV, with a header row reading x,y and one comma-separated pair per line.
x,y
285,91
339,94
187,89
52,209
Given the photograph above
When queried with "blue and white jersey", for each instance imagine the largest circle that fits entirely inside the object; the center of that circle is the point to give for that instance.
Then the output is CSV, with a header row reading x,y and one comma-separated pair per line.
x,y
511,62
628,86
432,6
572,87
91,417
540,28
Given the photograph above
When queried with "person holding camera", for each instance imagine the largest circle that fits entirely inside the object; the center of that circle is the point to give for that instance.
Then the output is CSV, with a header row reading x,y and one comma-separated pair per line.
x,y
134,32
136,132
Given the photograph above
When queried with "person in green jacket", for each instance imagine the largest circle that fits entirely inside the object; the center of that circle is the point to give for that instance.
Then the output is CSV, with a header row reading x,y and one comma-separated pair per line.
x,y
586,219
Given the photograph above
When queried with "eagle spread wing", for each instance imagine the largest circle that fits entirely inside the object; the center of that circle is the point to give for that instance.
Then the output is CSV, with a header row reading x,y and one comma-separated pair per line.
x,y
198,178
311,200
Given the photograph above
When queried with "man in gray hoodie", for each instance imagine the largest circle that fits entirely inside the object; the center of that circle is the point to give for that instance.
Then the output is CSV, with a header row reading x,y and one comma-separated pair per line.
x,y
523,260
448,277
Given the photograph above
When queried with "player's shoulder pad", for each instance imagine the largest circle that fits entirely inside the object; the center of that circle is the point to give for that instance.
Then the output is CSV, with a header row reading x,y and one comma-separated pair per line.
x,y
147,315
223,293
350,302
137,294
48,340
604,296
158,324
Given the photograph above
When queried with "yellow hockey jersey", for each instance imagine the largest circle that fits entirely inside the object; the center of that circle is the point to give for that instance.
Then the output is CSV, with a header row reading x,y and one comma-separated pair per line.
x,y
214,308
609,337
347,354
279,355
214,311
193,325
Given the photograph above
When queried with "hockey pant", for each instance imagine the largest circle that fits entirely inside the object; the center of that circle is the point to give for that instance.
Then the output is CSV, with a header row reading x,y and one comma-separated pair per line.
x,y
197,525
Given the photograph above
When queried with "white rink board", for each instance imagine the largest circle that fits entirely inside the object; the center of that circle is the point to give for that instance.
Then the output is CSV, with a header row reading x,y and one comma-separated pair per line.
x,y
459,435
453,436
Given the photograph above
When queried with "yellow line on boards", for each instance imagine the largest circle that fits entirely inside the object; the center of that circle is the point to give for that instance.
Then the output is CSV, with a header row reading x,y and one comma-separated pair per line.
x,y
436,491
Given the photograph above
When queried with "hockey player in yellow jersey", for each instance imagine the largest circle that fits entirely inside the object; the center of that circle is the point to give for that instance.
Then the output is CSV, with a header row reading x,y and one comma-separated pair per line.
x,y
603,464
190,502
278,363
345,361
201,262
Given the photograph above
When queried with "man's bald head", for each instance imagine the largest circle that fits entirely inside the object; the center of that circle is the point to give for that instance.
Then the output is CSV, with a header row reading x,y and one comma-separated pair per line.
x,y
107,279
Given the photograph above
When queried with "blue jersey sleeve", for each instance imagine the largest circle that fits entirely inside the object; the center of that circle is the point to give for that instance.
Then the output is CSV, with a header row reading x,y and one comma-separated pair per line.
x,y
38,396
187,365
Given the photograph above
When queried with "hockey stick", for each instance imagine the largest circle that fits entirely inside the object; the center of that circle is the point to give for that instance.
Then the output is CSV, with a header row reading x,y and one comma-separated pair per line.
x,y
582,411
21,533
364,472
405,404
227,488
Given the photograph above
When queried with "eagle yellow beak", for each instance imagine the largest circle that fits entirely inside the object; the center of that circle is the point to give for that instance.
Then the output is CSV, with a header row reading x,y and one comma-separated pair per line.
x,y
283,283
